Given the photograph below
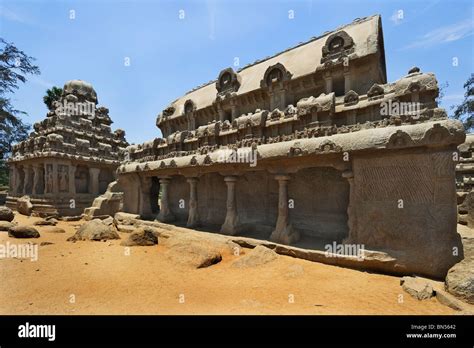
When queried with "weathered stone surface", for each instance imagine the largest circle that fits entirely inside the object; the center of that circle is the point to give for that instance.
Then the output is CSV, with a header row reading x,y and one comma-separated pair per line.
x,y
60,157
53,229
121,218
417,288
50,222
5,226
142,236
6,214
460,280
194,255
23,232
126,228
24,205
94,230
196,251
258,256
108,221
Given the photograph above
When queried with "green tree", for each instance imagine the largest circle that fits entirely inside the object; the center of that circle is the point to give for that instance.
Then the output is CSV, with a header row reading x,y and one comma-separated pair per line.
x,y
53,94
14,65
465,111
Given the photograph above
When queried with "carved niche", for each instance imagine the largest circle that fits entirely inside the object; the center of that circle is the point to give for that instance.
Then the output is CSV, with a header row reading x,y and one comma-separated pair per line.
x,y
227,82
337,45
275,73
189,106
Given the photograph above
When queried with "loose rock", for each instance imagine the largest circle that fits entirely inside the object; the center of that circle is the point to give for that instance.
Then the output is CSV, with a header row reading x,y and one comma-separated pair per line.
x,y
417,288
23,232
143,236
94,230
5,226
24,205
460,280
6,214
258,256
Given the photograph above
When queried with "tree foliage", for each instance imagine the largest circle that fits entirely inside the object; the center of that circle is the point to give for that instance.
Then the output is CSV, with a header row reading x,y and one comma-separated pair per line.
x,y
14,66
53,94
465,111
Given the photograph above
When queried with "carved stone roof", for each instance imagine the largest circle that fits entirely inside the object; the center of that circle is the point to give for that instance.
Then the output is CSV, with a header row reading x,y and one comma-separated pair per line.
x,y
301,60
75,128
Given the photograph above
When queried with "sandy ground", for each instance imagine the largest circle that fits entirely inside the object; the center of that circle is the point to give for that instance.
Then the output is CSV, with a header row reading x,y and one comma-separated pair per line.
x,y
99,278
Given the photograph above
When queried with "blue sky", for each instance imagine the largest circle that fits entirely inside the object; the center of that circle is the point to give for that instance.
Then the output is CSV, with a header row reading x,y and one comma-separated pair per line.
x,y
170,55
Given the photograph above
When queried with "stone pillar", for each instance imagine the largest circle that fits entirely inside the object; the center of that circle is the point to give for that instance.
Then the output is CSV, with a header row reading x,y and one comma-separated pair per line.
x,y
165,214
144,205
234,114
284,232
13,179
328,82
221,113
230,226
55,179
72,179
351,218
347,81
37,169
193,217
94,180
27,179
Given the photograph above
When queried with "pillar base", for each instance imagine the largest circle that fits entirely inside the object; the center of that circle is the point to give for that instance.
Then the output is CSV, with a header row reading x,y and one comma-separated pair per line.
x,y
285,234
193,220
230,226
165,216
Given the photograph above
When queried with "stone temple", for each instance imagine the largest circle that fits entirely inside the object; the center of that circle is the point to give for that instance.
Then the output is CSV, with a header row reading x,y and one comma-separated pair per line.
x,y
71,155
308,147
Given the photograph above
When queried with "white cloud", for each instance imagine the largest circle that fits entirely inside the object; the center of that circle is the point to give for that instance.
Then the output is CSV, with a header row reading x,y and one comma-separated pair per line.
x,y
10,15
41,82
448,33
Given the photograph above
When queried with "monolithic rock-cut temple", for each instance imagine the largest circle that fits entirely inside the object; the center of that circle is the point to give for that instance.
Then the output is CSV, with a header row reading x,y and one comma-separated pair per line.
x,y
71,155
308,147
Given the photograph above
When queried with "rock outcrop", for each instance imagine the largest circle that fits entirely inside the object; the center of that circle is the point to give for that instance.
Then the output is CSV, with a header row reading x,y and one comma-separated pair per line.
x,y
94,230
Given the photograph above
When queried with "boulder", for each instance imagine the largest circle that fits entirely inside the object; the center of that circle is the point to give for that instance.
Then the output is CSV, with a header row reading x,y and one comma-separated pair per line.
x,y
50,222
194,255
190,250
53,229
417,288
5,226
94,230
143,236
23,232
258,256
121,218
109,221
24,205
6,214
460,280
